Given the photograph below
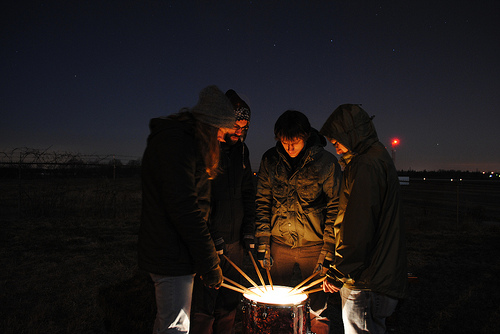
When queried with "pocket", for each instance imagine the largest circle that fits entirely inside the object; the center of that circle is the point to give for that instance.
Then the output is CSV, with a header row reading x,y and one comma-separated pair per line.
x,y
384,305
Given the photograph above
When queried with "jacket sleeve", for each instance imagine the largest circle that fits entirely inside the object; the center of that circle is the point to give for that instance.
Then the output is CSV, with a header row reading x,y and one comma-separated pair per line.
x,y
355,236
248,195
331,187
264,202
180,197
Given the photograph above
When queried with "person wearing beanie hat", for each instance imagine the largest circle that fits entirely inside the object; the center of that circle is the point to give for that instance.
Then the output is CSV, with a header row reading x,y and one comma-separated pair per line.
x,y
241,108
231,224
296,205
174,244
214,108
369,268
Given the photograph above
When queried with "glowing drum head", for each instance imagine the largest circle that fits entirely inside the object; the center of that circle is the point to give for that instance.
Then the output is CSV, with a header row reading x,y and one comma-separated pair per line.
x,y
279,295
275,311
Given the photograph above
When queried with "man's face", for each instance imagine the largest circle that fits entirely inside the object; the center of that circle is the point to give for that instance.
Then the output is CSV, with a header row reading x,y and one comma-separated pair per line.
x,y
222,134
239,129
339,148
293,146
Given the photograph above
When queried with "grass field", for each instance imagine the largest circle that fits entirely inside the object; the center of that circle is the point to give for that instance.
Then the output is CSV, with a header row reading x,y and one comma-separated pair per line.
x,y
68,258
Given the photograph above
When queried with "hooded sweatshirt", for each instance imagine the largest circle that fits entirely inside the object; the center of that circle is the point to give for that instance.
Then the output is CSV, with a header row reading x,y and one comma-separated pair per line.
x,y
370,244
174,238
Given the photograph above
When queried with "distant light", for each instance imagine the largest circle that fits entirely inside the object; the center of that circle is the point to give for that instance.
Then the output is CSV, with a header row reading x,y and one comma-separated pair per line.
x,y
395,142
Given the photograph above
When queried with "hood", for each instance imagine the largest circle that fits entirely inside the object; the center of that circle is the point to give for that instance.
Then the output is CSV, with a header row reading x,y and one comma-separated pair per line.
x,y
316,139
184,120
314,144
350,125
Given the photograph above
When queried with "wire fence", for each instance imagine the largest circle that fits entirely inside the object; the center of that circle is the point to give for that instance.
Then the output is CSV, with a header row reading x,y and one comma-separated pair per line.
x,y
28,163
42,183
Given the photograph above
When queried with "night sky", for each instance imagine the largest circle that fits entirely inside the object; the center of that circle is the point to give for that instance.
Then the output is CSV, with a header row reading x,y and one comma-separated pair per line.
x,y
87,76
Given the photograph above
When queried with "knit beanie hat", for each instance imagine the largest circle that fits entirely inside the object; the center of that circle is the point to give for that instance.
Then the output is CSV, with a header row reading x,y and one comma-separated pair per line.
x,y
214,108
241,109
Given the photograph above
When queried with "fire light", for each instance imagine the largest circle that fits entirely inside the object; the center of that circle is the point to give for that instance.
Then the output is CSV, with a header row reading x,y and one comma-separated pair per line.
x,y
395,142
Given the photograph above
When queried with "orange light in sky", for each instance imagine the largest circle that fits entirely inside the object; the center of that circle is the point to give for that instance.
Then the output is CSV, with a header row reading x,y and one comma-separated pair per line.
x,y
395,142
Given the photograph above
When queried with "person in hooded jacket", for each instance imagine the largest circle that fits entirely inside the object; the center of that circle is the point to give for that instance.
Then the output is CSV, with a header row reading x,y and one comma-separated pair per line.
x,y
369,267
297,199
231,224
180,158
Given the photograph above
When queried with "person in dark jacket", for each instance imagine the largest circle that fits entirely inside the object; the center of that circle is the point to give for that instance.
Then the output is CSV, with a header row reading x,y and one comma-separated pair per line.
x,y
297,198
181,157
370,248
231,224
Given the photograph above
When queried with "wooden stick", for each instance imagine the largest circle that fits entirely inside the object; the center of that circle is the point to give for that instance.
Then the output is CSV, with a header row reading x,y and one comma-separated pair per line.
x,y
242,273
232,288
269,278
304,281
312,284
245,289
257,270
313,290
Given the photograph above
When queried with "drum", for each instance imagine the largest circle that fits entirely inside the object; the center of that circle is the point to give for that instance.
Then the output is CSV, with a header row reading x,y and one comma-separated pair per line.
x,y
275,311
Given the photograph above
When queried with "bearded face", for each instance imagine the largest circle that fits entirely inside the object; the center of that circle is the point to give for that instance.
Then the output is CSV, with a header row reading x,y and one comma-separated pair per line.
x,y
239,129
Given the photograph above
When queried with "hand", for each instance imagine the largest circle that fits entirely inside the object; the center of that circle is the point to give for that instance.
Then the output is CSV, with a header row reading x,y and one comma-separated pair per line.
x,y
267,263
330,286
264,256
220,246
321,269
249,243
213,279
332,283
324,261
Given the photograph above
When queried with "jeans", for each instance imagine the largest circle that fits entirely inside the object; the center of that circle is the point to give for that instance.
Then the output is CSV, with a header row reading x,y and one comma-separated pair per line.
x,y
365,311
285,258
214,311
173,303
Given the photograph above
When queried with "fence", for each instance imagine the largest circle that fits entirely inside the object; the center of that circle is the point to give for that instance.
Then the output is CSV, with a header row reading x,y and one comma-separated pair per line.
x,y
42,183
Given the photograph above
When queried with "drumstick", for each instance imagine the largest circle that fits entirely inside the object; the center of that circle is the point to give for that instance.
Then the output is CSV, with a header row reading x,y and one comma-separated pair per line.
x,y
232,288
304,281
257,270
242,273
312,284
245,289
269,278
313,291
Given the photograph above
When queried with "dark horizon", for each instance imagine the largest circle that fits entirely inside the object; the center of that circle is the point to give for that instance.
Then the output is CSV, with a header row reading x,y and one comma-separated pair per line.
x,y
46,158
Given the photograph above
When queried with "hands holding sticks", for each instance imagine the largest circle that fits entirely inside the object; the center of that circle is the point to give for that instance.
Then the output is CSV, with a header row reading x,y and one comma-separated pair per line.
x,y
258,271
296,290
240,288
242,273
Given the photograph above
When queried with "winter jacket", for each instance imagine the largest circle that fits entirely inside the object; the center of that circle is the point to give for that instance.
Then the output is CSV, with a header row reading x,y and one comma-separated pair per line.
x,y
298,208
369,232
174,238
233,196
